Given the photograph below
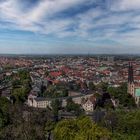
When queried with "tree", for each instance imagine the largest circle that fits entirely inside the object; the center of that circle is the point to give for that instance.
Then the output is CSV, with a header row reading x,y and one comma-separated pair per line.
x,y
49,127
24,74
120,93
4,108
123,124
71,106
4,104
25,124
103,86
16,83
80,129
20,94
56,106
91,86
110,120
74,86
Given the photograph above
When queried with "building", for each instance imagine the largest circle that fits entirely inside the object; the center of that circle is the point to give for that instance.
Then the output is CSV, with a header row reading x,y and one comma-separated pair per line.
x,y
31,98
89,104
133,87
39,102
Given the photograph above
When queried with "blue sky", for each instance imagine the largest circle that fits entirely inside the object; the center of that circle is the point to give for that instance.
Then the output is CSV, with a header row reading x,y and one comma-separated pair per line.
x,y
69,26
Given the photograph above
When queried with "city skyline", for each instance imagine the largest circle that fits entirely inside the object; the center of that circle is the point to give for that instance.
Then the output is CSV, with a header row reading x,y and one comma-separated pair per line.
x,y
69,27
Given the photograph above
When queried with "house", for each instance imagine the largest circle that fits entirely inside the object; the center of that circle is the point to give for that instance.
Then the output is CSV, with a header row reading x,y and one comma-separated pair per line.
x,y
6,93
89,104
38,102
31,97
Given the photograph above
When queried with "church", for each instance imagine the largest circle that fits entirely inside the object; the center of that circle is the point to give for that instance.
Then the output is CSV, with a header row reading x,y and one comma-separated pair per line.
x,y
133,86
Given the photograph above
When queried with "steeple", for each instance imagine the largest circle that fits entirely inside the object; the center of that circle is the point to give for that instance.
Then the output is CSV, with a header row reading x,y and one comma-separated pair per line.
x,y
130,73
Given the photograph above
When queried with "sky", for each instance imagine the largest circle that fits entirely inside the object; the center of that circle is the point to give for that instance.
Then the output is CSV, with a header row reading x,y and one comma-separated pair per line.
x,y
69,26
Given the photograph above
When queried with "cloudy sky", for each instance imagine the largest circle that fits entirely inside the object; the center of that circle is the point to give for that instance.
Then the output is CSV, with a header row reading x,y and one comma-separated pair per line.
x,y
69,26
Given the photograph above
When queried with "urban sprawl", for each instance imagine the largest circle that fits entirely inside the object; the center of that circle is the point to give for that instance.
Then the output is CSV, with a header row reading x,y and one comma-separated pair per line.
x,y
84,82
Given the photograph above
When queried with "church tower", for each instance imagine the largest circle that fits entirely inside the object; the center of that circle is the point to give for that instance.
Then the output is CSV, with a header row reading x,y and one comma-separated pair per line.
x,y
130,73
131,86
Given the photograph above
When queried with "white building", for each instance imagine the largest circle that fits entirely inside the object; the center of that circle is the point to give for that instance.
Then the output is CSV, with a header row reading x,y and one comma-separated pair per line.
x,y
89,104
38,102
41,102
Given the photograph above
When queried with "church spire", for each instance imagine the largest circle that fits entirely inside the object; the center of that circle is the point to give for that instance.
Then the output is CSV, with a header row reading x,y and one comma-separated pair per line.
x,y
130,73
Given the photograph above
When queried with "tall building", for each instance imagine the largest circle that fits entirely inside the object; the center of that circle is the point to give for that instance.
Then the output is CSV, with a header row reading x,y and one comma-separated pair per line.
x,y
133,87
130,73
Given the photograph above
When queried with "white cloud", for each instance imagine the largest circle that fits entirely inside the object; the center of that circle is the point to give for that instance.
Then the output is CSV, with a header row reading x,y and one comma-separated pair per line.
x,y
125,5
48,8
93,24
37,18
10,10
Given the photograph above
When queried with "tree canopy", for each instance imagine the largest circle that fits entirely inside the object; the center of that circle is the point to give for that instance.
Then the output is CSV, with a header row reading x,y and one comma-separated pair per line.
x,y
80,129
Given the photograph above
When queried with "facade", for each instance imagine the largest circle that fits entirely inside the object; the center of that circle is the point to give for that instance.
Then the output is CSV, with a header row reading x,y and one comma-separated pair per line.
x,y
89,104
41,102
133,87
38,102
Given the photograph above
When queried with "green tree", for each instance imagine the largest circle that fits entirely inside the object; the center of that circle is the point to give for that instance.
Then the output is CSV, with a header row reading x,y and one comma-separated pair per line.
x,y
56,106
103,86
24,74
49,127
120,93
20,94
4,108
91,86
80,129
16,83
71,106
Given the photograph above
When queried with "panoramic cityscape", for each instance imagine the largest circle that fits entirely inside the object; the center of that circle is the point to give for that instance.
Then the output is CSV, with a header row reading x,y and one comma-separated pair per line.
x,y
56,88
69,70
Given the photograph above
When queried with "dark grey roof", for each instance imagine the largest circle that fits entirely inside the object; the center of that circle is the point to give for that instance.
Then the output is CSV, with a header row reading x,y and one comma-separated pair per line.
x,y
40,99
60,98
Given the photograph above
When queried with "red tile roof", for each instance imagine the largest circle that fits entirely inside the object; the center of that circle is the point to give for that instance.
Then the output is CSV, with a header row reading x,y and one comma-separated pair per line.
x,y
55,74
